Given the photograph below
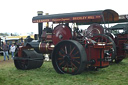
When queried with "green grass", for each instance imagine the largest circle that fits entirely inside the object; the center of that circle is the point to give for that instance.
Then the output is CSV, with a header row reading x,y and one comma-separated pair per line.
x,y
115,74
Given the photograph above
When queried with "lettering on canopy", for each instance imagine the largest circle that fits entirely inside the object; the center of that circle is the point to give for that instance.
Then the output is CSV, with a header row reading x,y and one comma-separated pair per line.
x,y
80,18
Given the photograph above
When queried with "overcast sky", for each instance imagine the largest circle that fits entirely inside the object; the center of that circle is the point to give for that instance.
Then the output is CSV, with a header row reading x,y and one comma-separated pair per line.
x,y
16,15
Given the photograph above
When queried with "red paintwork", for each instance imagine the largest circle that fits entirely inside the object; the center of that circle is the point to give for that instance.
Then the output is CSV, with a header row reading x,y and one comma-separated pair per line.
x,y
94,29
46,36
120,40
61,30
43,36
96,52
100,38
46,48
20,50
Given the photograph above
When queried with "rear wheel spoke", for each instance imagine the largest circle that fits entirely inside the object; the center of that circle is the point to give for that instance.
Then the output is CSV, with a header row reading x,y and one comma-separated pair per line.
x,y
61,54
75,53
77,61
75,57
60,59
72,51
61,63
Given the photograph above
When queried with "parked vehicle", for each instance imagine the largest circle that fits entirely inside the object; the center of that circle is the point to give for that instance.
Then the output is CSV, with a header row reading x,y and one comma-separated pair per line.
x,y
71,49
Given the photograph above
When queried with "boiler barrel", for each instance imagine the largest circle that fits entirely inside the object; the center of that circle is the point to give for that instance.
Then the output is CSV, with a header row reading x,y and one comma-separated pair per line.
x,y
44,48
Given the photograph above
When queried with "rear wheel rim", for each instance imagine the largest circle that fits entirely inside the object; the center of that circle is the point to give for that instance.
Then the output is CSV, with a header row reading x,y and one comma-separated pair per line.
x,y
68,58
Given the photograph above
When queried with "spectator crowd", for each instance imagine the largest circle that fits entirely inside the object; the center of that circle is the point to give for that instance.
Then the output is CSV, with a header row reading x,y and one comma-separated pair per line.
x,y
8,49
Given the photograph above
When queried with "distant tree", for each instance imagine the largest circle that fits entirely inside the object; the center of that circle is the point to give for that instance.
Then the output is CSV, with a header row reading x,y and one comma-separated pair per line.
x,y
9,34
14,34
4,34
31,33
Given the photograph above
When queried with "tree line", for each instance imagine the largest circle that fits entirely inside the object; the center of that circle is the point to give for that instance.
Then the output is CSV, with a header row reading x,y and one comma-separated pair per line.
x,y
9,34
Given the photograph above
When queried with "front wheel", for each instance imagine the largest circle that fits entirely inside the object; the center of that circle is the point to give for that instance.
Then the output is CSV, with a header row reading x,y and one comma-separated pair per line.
x,y
30,60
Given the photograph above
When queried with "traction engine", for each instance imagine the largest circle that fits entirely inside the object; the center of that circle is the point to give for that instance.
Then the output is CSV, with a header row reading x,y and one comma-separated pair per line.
x,y
70,49
121,41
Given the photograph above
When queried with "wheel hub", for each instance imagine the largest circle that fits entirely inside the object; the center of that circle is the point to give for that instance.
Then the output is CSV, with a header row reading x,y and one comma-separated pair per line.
x,y
67,58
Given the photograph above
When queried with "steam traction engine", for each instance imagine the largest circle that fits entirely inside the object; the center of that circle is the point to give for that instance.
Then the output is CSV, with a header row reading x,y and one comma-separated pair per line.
x,y
71,50
121,41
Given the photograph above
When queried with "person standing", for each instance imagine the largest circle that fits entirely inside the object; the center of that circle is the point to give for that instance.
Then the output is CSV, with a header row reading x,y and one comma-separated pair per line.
x,y
12,49
5,48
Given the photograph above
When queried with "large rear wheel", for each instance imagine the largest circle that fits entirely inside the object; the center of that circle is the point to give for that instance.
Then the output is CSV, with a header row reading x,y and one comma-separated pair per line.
x,y
69,56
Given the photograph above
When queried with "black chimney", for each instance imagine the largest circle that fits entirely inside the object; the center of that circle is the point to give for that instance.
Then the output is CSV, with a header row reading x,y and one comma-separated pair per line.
x,y
40,25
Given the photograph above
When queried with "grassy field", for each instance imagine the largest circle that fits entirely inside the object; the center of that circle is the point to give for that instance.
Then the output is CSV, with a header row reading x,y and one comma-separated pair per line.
x,y
115,74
